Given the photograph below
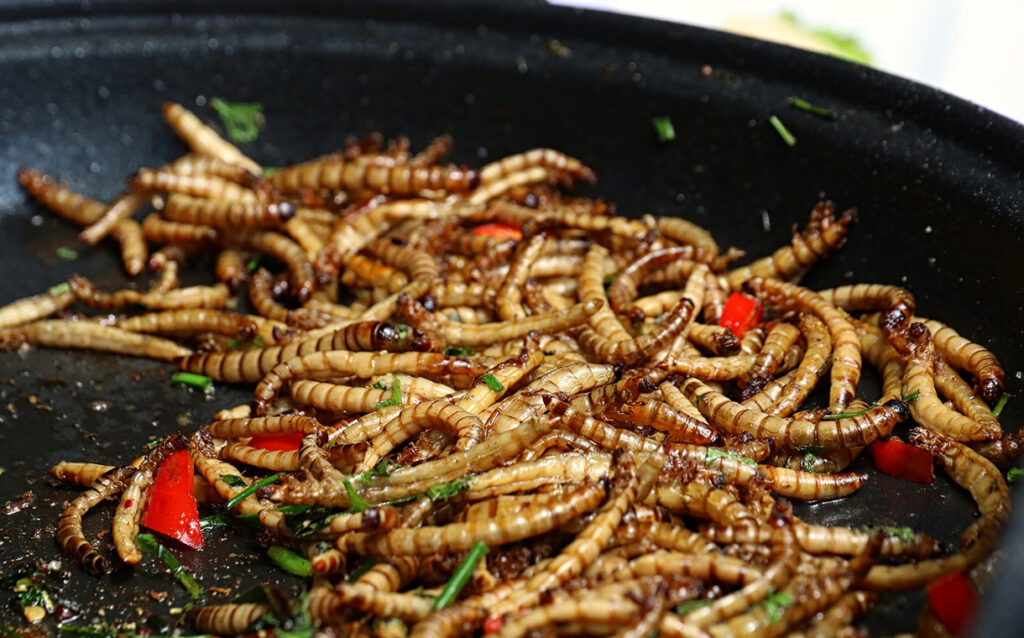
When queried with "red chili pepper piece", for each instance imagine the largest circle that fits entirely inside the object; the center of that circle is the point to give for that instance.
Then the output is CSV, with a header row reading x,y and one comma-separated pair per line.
x,y
277,441
903,461
953,600
741,313
170,506
499,231
493,624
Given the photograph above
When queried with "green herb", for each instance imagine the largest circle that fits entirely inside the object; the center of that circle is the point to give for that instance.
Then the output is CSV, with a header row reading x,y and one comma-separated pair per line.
x,y
303,520
845,45
715,454
442,491
60,289
996,411
244,494
492,382
2,470
149,544
242,121
905,534
152,445
804,105
226,519
454,316
691,606
396,396
364,566
461,576
232,480
1014,474
67,254
462,351
776,603
810,462
252,264
195,380
382,470
610,279
241,343
403,330
356,503
911,397
31,593
781,129
380,385
848,415
660,319
270,170
663,129
289,561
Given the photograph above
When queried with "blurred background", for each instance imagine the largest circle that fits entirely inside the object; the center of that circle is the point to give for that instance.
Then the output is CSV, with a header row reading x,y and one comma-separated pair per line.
x,y
971,48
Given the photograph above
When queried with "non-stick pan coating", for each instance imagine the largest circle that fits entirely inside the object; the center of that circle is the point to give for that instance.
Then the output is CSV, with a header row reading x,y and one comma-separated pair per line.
x,y
937,182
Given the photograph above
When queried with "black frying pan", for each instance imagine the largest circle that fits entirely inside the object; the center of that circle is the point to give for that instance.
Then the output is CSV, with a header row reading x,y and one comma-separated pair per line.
x,y
937,181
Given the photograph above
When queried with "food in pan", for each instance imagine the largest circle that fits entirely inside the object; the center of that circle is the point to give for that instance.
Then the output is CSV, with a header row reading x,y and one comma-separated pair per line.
x,y
482,404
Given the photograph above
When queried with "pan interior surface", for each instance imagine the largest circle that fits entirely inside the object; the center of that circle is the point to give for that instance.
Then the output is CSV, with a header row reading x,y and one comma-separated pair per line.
x,y
937,185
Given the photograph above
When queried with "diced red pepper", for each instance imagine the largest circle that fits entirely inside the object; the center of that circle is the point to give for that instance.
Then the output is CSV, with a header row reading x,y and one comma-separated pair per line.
x,y
903,461
499,231
277,441
493,625
741,313
953,600
171,508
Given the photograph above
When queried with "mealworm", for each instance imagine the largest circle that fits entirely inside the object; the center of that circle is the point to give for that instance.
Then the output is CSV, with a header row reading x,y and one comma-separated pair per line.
x,y
133,498
509,297
718,340
122,208
539,157
208,164
880,353
820,539
662,416
227,619
29,309
261,295
70,536
161,231
623,290
438,413
252,426
966,355
359,176
690,234
221,213
289,253
273,460
780,338
634,351
419,265
375,273
91,336
897,302
187,321
203,139
823,234
846,361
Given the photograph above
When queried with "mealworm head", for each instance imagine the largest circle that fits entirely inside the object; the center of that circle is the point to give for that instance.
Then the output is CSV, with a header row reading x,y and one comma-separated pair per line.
x,y
900,408
284,210
991,390
372,518
782,513
386,333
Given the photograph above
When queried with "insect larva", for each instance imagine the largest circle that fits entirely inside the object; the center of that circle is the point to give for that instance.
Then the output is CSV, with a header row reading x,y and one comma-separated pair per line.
x,y
161,231
203,140
273,460
29,309
70,536
129,510
122,208
538,157
90,336
220,213
780,339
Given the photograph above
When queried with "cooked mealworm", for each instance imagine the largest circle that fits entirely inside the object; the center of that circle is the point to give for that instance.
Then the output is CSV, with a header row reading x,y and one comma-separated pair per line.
x,y
202,186
29,309
819,539
227,619
846,360
175,322
236,428
338,398
538,157
375,273
438,413
662,416
509,294
300,270
857,431
129,510
90,336
919,378
208,164
134,253
823,234
1004,452
781,337
954,388
407,607
364,364
880,353
161,231
634,351
230,268
897,302
812,367
690,234
70,536
840,614
333,173
718,340
600,616
962,353
273,460
710,368
261,296
122,208
419,265
456,537
220,213
213,470
623,290
203,139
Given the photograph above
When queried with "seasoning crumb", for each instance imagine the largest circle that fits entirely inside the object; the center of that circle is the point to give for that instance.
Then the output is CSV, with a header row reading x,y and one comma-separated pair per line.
x,y
706,70
157,595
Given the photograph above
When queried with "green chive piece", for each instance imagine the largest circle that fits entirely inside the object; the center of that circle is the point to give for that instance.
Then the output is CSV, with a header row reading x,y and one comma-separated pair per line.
x,y
365,566
356,503
270,170
461,576
443,491
242,121
804,105
691,606
2,470
195,380
776,603
810,461
149,544
996,411
663,129
492,382
241,496
232,480
67,254
289,561
252,264
783,132
396,396
1014,474
380,385
227,519
849,415
60,289
461,351
905,534
257,341
911,397
715,454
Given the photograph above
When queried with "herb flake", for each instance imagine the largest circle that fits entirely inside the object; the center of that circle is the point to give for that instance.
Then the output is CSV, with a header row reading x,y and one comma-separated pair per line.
x,y
1014,474
67,254
998,409
714,454
395,398
804,105
242,121
781,129
444,491
461,351
776,603
492,382
663,129
64,287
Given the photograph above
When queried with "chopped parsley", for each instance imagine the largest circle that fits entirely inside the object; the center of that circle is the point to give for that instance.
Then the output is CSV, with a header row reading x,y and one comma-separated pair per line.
x,y
382,469
1014,474
905,534
242,120
356,503
663,129
776,603
394,399
67,254
454,316
444,491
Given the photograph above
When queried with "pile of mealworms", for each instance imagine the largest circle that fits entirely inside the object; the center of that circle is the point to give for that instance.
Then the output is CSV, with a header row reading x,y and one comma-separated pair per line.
x,y
480,356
